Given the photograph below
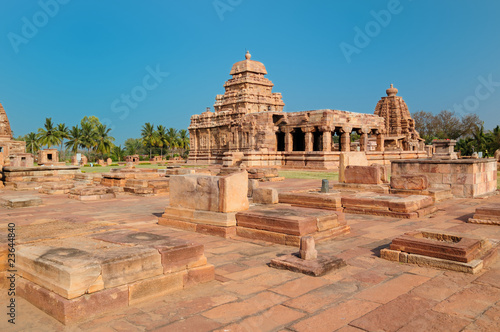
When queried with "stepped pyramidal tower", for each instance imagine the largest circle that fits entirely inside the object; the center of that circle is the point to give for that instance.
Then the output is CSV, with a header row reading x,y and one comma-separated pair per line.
x,y
248,91
399,126
5,131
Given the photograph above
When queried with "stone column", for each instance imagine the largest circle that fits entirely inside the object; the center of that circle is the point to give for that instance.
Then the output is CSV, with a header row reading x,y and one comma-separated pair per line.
x,y
380,142
209,140
345,139
308,139
288,140
327,140
363,141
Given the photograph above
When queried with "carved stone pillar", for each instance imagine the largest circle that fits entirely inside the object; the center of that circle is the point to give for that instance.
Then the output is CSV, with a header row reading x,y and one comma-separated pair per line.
x,y
363,141
193,139
327,139
308,139
288,140
345,139
380,142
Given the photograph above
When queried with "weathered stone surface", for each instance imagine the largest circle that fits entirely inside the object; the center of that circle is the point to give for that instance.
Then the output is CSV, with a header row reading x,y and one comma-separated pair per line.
x,y
69,267
15,202
265,196
329,201
286,220
252,184
80,308
489,214
409,182
315,267
350,159
365,174
444,149
210,193
308,248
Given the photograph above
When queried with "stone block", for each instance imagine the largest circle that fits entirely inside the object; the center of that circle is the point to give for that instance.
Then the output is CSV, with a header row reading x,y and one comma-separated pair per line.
x,y
210,193
308,248
265,196
198,275
316,267
252,185
365,174
71,311
350,159
14,202
410,182
329,201
153,288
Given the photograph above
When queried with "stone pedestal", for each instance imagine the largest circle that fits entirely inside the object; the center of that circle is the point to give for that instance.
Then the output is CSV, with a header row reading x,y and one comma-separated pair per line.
x,y
444,149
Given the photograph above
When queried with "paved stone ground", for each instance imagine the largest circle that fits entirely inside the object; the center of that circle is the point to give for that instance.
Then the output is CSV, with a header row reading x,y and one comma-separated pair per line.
x,y
369,294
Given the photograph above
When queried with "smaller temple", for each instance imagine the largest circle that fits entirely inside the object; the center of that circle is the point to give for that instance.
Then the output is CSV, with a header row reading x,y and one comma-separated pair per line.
x,y
400,127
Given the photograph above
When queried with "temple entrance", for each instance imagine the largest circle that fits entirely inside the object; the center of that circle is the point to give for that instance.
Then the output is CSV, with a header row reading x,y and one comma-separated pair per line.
x,y
49,156
299,142
280,141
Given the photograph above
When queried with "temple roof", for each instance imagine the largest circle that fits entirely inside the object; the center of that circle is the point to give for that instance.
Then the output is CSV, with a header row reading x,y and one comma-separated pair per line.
x,y
248,65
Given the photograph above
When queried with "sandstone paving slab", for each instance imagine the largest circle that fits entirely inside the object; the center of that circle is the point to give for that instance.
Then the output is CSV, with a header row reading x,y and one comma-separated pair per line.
x,y
435,321
395,314
469,302
335,317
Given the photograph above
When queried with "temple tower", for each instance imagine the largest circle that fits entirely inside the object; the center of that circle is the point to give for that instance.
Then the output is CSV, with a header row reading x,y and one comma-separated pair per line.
x,y
5,131
399,126
248,91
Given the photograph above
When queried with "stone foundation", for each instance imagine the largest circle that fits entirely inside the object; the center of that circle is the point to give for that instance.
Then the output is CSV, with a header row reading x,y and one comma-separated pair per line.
x,y
489,214
464,177
76,278
446,250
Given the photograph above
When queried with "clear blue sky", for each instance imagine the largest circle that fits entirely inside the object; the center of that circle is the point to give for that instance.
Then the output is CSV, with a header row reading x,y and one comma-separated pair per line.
x,y
78,58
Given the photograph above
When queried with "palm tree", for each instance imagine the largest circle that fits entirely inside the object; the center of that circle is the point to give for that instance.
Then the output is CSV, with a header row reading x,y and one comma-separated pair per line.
x,y
173,138
161,136
149,138
32,142
184,140
74,139
103,141
88,137
118,153
49,135
63,131
479,139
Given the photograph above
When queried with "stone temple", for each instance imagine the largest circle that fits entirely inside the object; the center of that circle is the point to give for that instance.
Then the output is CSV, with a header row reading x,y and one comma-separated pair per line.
x,y
12,153
250,127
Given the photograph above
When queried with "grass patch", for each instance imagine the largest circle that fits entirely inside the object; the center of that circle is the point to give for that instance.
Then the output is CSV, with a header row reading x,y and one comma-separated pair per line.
x,y
334,176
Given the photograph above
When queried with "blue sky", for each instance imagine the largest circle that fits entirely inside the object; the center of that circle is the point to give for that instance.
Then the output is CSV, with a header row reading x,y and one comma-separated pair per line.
x,y
69,58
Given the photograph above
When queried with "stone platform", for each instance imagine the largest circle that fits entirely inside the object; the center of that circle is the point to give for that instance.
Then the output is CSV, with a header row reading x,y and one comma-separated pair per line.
x,y
75,278
399,206
313,199
13,202
91,193
447,250
489,214
286,224
316,267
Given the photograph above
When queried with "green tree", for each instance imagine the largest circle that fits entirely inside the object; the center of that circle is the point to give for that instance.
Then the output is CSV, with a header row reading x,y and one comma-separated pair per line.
x,y
149,137
103,141
118,153
74,139
183,140
49,135
32,142
63,132
173,138
161,138
88,137
133,146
